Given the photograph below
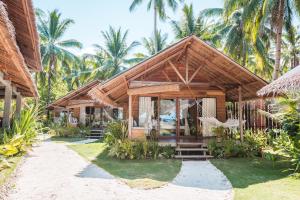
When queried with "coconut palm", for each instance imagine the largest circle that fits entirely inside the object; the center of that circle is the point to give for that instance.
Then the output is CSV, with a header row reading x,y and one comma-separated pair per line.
x,y
116,50
291,48
159,9
257,13
54,48
160,41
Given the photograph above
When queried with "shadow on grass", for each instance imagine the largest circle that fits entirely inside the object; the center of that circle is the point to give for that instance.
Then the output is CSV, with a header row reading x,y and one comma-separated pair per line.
x,y
92,171
244,172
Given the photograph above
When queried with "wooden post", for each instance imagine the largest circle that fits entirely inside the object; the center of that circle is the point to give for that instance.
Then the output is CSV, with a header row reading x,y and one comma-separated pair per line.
x,y
7,106
18,105
240,114
129,115
82,116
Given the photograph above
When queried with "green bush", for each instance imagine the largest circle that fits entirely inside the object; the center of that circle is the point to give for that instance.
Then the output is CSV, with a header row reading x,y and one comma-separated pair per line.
x,y
66,132
252,146
22,134
119,146
288,146
115,131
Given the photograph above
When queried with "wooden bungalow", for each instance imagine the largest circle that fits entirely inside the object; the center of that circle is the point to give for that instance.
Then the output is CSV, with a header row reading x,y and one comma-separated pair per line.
x,y
19,54
80,108
171,92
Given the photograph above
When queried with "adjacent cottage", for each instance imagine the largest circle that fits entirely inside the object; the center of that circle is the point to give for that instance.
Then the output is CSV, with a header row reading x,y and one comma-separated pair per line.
x,y
19,54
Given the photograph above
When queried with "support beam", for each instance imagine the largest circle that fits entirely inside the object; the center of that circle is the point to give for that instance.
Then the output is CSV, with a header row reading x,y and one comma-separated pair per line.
x,y
129,116
186,69
240,114
194,74
18,105
166,75
7,106
154,89
177,72
82,115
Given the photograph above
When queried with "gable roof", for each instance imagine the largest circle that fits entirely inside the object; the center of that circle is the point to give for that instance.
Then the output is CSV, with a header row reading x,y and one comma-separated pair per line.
x,y
62,101
22,16
12,61
215,67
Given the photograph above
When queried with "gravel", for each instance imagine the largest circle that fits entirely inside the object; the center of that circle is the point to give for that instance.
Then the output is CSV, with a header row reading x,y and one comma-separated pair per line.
x,y
54,172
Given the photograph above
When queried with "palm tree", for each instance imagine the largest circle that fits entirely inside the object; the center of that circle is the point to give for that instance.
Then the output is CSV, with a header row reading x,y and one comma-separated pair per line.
x,y
256,14
191,25
160,41
116,50
54,49
78,73
291,48
159,9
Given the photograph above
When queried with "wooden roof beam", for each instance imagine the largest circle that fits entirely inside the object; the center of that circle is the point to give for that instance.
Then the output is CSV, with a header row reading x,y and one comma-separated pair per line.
x,y
157,65
154,89
177,72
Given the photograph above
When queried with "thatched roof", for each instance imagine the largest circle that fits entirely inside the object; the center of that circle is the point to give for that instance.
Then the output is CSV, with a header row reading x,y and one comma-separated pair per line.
x,y
207,64
22,16
19,45
289,82
75,94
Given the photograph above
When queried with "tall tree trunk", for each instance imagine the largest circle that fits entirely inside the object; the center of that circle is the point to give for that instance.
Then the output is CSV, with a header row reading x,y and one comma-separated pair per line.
x,y
155,27
278,40
52,62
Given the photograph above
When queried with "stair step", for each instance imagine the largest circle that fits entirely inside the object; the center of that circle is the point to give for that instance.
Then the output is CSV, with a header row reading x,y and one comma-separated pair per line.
x,y
94,137
193,156
191,149
191,144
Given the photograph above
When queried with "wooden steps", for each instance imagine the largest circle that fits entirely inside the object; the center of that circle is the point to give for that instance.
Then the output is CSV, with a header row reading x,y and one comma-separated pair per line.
x,y
192,157
192,151
95,134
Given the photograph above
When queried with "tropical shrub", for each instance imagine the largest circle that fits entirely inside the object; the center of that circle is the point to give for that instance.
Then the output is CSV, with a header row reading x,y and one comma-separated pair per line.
x,y
288,146
67,131
252,146
119,146
22,134
115,131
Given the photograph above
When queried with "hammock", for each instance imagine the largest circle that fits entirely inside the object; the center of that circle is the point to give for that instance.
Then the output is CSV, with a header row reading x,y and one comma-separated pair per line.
x,y
208,123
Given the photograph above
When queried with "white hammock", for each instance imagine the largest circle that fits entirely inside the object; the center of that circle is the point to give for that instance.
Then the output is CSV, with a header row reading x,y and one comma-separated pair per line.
x,y
208,123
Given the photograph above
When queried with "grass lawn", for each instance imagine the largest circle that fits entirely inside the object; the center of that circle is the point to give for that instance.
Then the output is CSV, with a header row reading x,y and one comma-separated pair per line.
x,y
66,139
6,172
136,173
255,179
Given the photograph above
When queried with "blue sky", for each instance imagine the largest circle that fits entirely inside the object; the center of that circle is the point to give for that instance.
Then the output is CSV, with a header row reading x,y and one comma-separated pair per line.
x,y
92,16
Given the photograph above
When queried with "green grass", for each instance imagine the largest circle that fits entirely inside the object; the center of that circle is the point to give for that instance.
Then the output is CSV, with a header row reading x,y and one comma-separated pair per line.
x,y
255,179
136,173
59,139
5,173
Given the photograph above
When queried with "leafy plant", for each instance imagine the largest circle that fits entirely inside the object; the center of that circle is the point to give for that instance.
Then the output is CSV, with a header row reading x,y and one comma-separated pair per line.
x,y
116,130
287,146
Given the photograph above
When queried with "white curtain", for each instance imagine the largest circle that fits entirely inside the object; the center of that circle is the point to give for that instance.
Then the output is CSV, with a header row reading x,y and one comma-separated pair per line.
x,y
208,111
209,107
145,113
184,105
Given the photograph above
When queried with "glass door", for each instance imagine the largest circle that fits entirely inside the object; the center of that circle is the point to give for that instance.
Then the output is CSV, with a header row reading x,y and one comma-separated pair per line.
x,y
167,118
188,109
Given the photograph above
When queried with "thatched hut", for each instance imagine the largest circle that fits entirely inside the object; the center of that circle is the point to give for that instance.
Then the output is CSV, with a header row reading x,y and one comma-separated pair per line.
x,y
19,54
289,82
